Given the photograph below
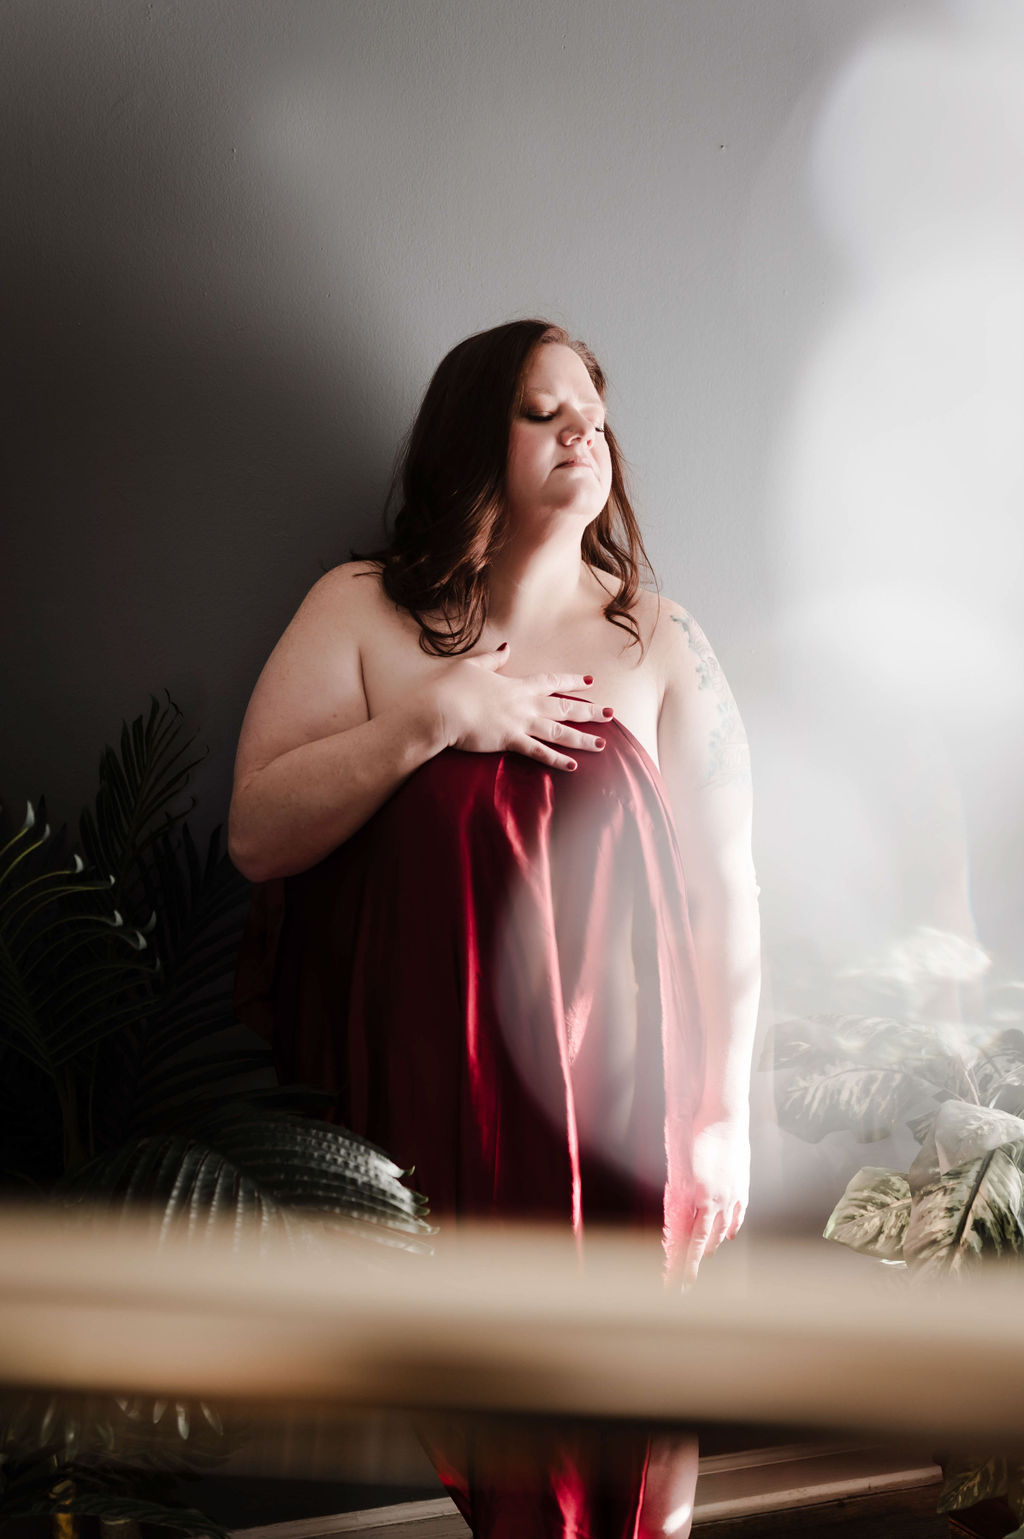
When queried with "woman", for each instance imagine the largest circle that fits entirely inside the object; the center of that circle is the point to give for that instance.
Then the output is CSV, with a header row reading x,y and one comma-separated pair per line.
x,y
499,797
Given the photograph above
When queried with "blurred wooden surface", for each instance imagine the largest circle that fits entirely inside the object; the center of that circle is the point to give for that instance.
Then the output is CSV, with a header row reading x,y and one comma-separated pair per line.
x,y
508,1321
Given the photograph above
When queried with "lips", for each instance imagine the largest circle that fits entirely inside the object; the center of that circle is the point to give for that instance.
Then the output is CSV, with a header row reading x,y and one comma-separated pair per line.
x,y
574,461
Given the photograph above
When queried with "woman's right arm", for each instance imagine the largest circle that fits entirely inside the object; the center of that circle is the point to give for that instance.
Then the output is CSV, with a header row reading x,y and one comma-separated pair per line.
x,y
313,766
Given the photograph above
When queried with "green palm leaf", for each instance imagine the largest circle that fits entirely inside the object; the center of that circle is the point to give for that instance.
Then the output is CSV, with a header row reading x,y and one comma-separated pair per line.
x,y
100,1431
198,901
242,1165
140,793
98,1504
316,1166
71,972
181,1181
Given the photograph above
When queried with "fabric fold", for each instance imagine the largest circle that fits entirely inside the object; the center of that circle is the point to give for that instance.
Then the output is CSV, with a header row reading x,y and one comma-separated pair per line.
x,y
495,976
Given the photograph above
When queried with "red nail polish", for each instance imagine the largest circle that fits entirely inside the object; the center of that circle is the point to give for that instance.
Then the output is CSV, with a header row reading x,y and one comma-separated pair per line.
x,y
588,678
599,742
571,766
607,711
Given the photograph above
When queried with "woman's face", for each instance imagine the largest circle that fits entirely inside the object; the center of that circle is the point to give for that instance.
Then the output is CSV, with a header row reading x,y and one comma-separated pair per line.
x,y
558,456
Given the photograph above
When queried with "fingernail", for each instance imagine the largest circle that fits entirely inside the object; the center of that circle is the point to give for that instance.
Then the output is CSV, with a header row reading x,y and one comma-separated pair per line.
x,y
607,711
599,742
503,647
588,678
571,765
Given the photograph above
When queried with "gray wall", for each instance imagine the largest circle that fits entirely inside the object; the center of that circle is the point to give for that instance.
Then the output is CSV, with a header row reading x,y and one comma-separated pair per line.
x,y
240,234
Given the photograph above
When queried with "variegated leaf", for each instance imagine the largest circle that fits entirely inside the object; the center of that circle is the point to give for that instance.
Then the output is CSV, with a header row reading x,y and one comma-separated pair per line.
x,y
967,1479
865,1102
964,1132
999,1062
872,1214
1010,1098
922,1124
971,1209
869,1041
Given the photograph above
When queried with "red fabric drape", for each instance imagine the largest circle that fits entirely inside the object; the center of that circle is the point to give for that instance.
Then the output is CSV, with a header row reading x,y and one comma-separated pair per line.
x,y
496,976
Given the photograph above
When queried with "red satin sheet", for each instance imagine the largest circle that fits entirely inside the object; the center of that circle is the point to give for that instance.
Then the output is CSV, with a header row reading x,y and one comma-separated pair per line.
x,y
496,976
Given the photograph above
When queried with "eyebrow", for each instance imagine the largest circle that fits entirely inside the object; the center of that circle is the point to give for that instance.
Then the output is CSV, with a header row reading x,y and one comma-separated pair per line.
x,y
590,401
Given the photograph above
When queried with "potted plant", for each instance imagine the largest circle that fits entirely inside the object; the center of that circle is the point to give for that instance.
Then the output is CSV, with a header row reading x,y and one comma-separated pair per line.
x,y
960,1091
125,1082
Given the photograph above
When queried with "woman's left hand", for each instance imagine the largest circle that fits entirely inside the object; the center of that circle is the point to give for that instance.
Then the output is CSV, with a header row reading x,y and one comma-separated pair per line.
x,y
712,1206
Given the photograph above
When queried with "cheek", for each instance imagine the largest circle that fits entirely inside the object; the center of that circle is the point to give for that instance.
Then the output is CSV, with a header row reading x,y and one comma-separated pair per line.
x,y
518,451
605,463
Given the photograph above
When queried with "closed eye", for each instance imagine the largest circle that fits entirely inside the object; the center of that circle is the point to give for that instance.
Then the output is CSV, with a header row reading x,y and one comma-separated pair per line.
x,y
549,416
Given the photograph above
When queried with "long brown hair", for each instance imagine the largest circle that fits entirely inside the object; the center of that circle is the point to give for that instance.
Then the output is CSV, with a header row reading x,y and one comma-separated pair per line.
x,y
450,490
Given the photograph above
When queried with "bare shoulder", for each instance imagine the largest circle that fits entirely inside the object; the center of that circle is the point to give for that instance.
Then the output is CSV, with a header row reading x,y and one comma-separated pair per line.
x,y
679,650
346,594
684,650
699,721
311,684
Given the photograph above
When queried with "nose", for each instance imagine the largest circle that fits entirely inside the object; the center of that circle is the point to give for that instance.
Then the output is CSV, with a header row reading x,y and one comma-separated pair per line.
x,y
578,427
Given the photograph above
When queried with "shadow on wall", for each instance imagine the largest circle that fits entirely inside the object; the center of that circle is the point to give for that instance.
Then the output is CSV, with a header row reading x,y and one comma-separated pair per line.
x,y
188,447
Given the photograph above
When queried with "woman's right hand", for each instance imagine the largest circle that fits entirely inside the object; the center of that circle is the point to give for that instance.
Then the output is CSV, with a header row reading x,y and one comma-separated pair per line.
x,y
484,712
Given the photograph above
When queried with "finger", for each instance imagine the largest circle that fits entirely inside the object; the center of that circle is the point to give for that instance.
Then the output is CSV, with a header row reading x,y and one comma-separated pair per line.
x,y
560,683
495,659
533,749
566,738
577,710
700,1234
739,1213
717,1234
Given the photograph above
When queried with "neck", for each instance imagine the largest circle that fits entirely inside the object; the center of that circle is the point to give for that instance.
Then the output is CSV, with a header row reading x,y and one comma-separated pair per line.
x,y
531,587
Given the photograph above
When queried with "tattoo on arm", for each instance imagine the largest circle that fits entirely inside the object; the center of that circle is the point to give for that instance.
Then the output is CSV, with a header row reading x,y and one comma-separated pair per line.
x,y
728,750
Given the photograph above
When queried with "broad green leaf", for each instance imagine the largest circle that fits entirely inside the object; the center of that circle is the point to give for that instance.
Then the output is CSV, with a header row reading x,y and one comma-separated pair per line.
x,y
873,1213
789,1042
967,1479
922,1124
1015,1486
1010,1098
963,1132
999,1063
972,1209
865,1102
868,1041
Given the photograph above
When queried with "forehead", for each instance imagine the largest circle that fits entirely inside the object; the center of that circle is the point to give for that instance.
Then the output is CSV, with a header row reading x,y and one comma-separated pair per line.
x,y
556,370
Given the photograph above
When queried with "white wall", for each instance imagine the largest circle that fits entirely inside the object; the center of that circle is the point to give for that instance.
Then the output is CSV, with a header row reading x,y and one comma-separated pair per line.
x,y
241,233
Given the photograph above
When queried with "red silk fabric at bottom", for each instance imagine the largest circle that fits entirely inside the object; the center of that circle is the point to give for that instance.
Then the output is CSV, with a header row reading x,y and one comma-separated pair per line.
x,y
495,975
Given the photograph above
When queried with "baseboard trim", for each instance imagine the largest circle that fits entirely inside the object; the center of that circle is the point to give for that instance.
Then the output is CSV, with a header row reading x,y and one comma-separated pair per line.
x,y
730,1486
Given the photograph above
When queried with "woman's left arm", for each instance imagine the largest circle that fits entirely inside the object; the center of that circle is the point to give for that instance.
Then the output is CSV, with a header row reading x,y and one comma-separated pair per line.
x,y
705,762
